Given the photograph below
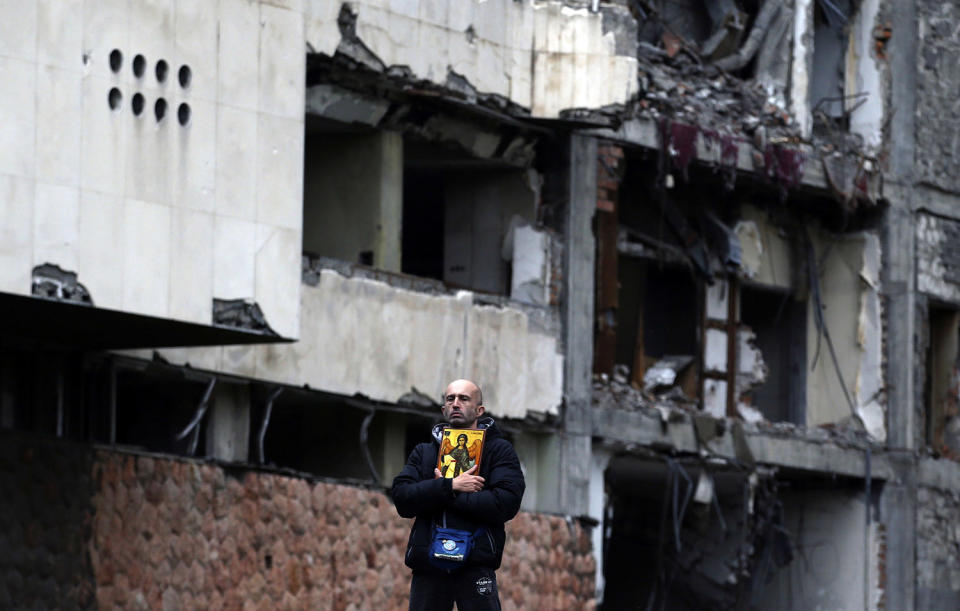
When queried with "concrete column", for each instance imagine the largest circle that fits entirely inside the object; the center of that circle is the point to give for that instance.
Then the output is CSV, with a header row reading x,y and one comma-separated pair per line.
x,y
899,499
353,197
577,310
228,424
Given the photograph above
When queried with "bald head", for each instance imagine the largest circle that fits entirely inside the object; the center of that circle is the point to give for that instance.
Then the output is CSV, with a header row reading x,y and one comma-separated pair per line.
x,y
462,404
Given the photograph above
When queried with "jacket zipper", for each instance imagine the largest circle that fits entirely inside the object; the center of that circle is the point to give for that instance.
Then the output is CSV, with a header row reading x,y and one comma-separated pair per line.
x,y
493,547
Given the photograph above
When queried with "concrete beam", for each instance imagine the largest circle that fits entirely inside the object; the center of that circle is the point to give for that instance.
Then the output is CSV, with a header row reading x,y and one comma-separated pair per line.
x,y
646,133
636,428
228,430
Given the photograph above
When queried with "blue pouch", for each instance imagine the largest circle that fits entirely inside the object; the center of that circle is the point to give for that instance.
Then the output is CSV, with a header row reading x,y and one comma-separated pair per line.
x,y
450,547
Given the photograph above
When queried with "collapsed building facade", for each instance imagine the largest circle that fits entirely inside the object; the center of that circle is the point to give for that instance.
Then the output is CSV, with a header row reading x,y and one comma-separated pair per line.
x,y
699,256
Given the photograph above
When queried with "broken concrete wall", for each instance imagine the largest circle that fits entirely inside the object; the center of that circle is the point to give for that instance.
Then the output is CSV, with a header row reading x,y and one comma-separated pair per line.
x,y
837,554
938,72
938,257
157,195
766,251
938,549
864,72
545,55
85,528
849,292
368,337
352,201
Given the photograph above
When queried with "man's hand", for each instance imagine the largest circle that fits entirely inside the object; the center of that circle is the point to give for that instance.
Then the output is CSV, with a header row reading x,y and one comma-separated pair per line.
x,y
466,481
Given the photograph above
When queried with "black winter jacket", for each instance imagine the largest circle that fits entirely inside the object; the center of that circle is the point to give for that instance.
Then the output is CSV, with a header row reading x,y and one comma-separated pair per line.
x,y
418,494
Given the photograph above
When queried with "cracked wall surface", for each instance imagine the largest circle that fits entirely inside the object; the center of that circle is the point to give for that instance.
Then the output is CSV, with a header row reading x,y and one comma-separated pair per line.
x,y
364,336
938,549
542,55
157,208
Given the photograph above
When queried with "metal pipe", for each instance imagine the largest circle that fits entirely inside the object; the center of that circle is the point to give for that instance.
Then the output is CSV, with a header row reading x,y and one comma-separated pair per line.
x,y
261,435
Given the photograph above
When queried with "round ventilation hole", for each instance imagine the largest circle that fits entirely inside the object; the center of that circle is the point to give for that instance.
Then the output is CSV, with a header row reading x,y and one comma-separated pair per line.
x,y
160,109
184,76
116,60
183,114
139,66
137,104
161,71
114,99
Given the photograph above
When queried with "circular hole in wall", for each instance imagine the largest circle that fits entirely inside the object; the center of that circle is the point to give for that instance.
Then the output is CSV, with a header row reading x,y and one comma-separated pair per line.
x,y
184,76
139,65
116,60
183,114
114,99
137,104
161,71
160,109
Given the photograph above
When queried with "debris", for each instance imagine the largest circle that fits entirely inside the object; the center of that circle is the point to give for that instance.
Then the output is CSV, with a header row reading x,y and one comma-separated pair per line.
x,y
240,314
665,371
54,283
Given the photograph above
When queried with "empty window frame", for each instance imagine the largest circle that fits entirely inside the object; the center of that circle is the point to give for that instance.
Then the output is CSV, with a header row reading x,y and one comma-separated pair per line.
x,y
942,421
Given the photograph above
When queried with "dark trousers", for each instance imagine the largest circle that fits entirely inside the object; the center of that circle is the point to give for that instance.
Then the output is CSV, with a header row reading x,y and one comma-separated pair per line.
x,y
473,589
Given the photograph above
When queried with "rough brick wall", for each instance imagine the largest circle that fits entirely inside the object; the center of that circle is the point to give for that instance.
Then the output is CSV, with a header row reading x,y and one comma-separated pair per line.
x,y
938,75
157,532
938,550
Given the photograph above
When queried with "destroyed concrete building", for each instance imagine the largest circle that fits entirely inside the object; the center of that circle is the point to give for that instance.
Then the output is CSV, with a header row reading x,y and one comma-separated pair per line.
x,y
700,255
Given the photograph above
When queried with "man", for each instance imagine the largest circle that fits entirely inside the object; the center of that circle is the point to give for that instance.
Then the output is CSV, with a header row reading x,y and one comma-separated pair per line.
x,y
470,501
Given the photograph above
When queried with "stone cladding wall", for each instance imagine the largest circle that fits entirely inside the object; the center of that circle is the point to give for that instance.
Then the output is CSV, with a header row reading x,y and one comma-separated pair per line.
x,y
938,549
148,532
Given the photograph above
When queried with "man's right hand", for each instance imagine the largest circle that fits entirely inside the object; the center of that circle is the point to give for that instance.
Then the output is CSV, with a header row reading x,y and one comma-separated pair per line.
x,y
467,481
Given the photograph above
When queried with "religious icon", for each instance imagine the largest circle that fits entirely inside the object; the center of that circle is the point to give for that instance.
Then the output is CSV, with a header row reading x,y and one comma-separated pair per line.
x,y
460,450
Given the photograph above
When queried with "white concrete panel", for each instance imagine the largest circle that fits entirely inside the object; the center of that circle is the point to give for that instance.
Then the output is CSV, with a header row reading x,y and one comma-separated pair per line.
x,y
320,24
197,35
237,53
58,125
715,352
56,225
146,258
148,152
436,12
280,177
234,253
59,33
277,278
282,62
193,157
105,28
483,351
18,29
191,266
17,117
100,250
236,192
544,371
240,360
513,372
152,27
718,300
293,5
16,233
104,137
405,8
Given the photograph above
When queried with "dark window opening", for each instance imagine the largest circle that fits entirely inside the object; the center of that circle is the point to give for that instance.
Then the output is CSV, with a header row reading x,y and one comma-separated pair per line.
x,y
154,405
663,546
657,318
942,414
423,224
316,435
828,102
778,321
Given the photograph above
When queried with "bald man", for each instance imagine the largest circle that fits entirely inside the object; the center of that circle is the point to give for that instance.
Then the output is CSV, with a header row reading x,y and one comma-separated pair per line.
x,y
478,502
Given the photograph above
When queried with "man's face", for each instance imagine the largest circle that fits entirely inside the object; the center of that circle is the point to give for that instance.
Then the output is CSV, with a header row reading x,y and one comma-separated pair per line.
x,y
461,404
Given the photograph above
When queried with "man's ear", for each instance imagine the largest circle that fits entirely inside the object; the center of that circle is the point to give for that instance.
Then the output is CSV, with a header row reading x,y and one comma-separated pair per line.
x,y
480,410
